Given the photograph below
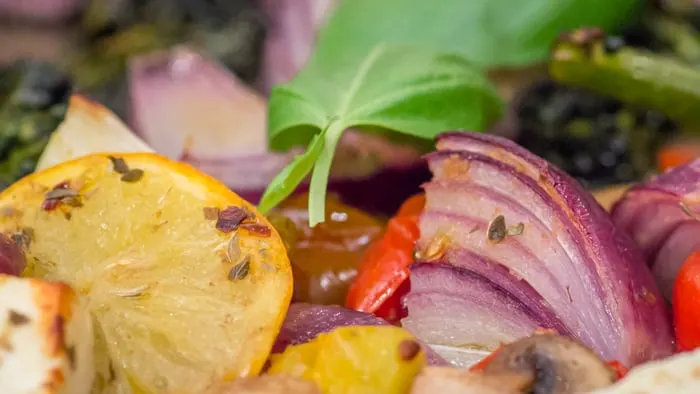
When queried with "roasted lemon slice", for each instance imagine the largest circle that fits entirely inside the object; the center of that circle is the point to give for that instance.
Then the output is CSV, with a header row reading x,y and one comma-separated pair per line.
x,y
186,283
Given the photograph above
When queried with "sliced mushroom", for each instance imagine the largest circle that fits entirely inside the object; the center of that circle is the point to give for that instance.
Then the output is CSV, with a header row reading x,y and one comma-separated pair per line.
x,y
555,365
448,380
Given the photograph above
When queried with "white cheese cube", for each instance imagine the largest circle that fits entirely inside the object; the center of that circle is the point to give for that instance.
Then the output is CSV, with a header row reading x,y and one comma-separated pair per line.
x,y
46,338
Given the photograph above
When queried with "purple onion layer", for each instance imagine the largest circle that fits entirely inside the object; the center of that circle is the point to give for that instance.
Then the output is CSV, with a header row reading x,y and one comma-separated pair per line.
x,y
663,216
558,253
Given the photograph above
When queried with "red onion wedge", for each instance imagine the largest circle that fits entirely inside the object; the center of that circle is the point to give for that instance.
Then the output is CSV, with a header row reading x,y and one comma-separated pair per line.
x,y
663,217
554,259
190,108
480,311
306,321
291,37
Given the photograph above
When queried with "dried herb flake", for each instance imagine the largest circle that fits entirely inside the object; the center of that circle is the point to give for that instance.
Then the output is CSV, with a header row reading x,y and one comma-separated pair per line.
x,y
230,218
74,202
132,176
70,354
18,319
57,194
24,237
119,165
233,249
686,210
496,231
241,270
515,230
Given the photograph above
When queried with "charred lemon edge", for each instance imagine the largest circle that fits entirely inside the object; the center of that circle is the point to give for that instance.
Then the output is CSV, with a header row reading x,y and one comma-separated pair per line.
x,y
206,184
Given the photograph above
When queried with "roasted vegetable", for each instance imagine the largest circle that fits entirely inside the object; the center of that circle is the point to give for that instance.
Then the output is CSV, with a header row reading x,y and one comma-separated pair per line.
x,y
47,335
381,280
598,140
368,360
325,258
589,59
33,101
304,322
554,365
521,246
187,283
686,295
113,31
662,215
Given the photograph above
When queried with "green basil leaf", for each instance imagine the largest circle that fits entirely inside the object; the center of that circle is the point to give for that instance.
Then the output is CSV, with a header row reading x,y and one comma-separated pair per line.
x,y
291,176
487,32
410,90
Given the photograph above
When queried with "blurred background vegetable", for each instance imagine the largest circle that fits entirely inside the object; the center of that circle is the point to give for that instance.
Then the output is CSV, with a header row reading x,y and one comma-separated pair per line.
x,y
599,139
33,101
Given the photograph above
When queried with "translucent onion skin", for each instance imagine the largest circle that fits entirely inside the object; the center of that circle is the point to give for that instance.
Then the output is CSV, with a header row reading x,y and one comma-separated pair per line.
x,y
306,321
663,217
589,275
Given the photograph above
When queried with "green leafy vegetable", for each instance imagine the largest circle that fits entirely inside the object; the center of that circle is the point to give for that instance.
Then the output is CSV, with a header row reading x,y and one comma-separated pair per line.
x,y
284,183
487,32
409,90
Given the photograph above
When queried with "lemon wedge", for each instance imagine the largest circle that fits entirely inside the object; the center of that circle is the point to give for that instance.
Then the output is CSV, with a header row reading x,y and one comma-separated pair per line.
x,y
186,283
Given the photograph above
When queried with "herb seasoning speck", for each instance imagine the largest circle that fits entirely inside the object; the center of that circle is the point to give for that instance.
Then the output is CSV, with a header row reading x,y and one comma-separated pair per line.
x,y
515,230
233,249
496,231
688,212
119,165
17,319
240,270
132,176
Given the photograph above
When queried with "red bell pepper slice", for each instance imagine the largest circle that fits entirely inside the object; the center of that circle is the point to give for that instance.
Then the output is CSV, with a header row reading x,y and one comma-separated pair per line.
x,y
686,304
383,271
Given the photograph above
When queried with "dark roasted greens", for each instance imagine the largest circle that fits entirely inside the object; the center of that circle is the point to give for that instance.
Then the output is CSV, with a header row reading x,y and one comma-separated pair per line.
x,y
33,101
231,31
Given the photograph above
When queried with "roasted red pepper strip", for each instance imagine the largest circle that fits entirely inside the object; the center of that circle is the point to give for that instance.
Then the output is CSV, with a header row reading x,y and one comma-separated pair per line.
x,y
383,270
620,370
686,304
413,206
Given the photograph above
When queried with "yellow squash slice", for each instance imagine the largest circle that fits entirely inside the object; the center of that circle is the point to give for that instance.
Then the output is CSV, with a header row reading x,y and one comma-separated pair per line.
x,y
186,283
355,359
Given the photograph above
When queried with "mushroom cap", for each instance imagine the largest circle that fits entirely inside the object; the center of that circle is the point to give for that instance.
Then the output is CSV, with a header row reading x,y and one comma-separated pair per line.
x,y
555,365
